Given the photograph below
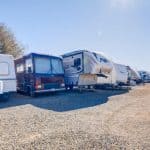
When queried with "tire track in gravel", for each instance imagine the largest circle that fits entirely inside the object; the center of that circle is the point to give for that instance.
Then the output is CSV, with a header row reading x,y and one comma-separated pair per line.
x,y
109,121
129,122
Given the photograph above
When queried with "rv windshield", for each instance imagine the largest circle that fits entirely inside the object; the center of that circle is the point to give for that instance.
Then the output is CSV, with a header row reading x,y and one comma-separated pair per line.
x,y
48,65
57,67
42,65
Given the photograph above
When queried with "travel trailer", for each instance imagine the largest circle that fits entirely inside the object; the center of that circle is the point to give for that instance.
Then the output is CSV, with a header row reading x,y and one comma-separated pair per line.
x,y
86,68
7,76
38,73
121,74
133,76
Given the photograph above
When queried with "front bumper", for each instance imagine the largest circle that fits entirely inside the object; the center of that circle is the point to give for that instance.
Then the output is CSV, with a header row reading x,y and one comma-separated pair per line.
x,y
49,90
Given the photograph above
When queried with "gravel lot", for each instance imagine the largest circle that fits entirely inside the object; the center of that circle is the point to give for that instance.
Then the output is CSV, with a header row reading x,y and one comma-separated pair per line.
x,y
73,120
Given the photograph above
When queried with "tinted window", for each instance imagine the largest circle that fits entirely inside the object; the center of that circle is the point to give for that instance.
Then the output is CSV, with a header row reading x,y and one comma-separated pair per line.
x,y
19,68
101,58
29,66
77,62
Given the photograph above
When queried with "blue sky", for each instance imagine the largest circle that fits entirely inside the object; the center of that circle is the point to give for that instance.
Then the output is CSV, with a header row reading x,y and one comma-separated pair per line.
x,y
119,28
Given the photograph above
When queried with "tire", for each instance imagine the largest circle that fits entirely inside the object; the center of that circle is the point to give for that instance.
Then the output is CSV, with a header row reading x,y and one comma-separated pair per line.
x,y
31,93
66,87
71,87
89,87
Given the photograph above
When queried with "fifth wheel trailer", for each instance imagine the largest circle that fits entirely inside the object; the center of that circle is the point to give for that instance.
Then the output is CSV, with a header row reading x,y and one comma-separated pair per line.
x,y
133,76
87,68
121,74
7,76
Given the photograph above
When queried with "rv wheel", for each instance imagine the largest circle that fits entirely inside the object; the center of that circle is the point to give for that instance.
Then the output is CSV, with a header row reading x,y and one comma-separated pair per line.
x,y
71,87
31,92
66,87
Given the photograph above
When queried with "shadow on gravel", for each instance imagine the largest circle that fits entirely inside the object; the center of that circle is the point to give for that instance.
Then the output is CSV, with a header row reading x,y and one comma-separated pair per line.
x,y
63,101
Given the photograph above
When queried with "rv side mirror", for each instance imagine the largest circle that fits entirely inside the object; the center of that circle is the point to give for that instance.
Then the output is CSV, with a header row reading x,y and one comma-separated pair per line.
x,y
29,70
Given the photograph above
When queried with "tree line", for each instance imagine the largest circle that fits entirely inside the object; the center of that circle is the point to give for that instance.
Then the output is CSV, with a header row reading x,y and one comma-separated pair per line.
x,y
8,42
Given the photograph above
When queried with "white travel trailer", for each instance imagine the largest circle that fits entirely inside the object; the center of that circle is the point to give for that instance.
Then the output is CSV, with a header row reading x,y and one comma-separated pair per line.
x,y
7,76
121,74
86,68
133,76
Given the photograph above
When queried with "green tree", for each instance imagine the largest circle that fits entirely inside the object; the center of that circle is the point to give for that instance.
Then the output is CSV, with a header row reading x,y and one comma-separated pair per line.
x,y
8,42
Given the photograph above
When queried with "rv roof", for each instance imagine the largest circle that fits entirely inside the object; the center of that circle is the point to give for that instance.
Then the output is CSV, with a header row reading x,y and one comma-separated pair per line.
x,y
38,54
120,64
80,51
74,52
6,55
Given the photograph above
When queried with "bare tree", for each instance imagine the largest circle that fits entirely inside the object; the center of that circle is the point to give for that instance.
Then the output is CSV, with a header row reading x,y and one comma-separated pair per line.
x,y
8,42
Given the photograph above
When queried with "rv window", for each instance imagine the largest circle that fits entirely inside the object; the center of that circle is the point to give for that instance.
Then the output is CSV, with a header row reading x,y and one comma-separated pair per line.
x,y
4,68
95,55
42,65
103,60
57,67
77,62
29,66
20,68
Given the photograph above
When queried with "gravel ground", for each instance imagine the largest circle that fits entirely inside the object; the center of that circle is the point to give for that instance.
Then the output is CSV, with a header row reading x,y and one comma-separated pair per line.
x,y
88,120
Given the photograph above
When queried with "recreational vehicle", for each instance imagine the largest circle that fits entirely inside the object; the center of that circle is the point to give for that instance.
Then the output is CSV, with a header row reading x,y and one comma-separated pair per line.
x,y
7,76
121,74
145,76
133,76
86,68
38,73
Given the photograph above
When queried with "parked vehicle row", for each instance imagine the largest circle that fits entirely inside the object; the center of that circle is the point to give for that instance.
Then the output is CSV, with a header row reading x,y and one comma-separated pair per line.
x,y
37,73
145,76
86,68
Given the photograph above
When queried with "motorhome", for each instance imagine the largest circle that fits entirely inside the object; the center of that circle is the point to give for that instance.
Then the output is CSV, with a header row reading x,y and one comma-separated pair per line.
x,y
7,76
37,73
87,68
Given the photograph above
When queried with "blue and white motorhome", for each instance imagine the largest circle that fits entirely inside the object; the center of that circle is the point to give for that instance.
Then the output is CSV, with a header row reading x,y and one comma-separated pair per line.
x,y
87,68
37,73
7,76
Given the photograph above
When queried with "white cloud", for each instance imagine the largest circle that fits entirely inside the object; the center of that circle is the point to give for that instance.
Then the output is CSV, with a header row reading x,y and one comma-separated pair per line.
x,y
122,3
